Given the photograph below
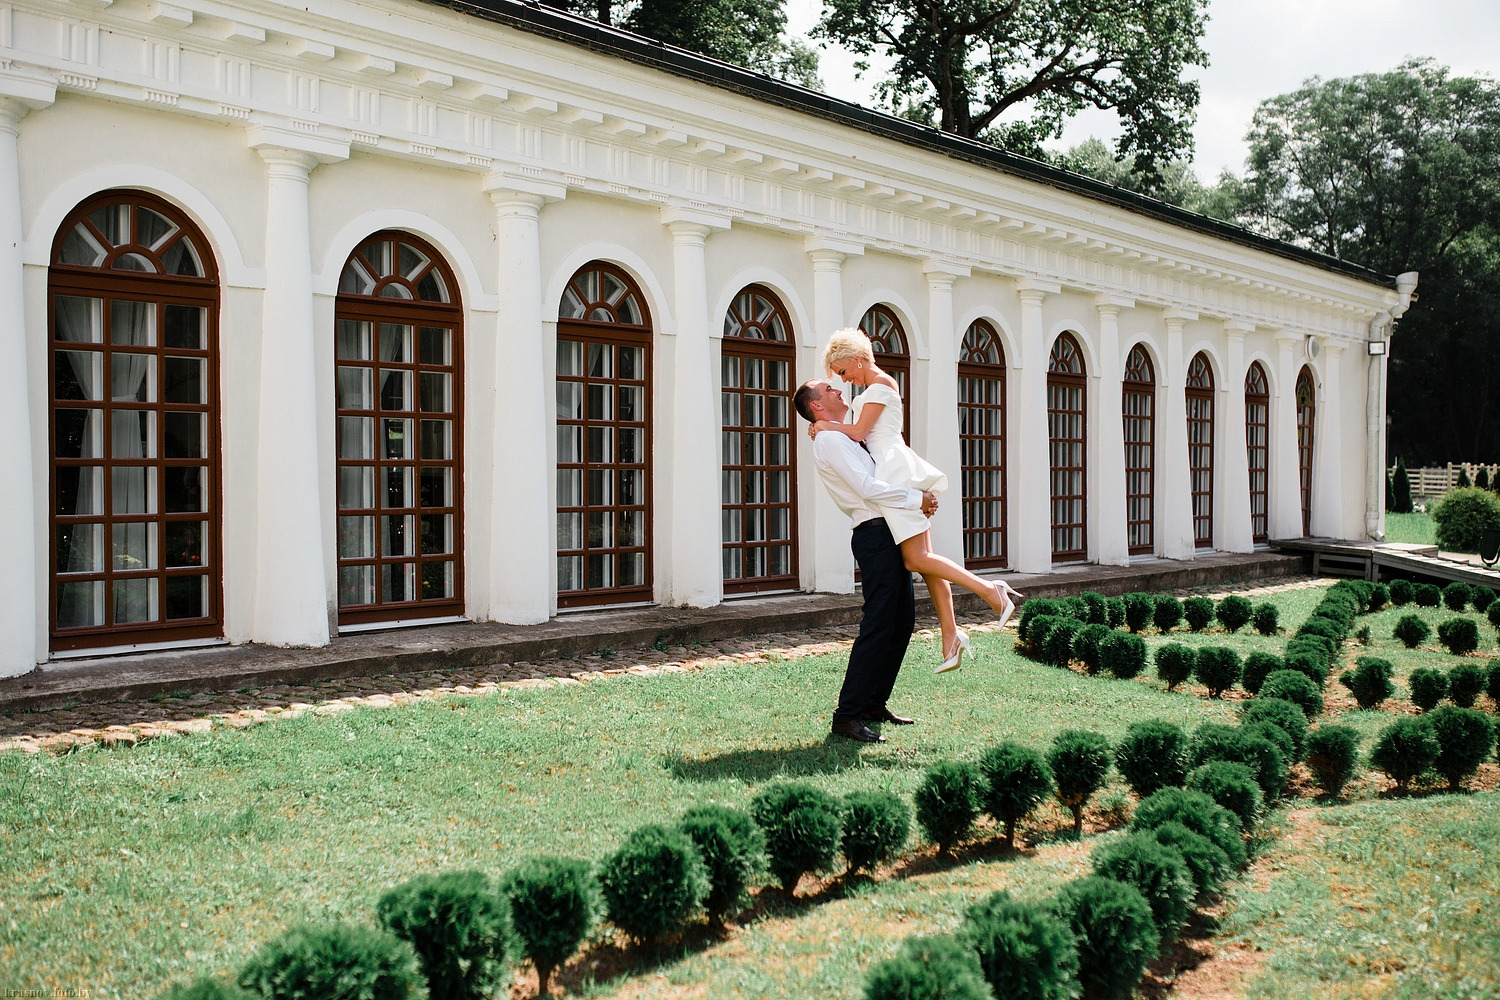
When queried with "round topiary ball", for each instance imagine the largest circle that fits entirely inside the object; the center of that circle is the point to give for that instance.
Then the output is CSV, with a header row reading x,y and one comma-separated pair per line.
x,y
334,962
1492,683
1258,665
1123,655
876,827
929,968
1086,646
1283,714
1212,741
460,927
1405,749
1098,607
948,802
1114,612
1057,648
1218,668
1198,813
1426,595
1275,735
1380,596
1266,618
1293,686
1025,950
1199,612
1116,935
1234,611
1208,864
1175,663
1460,635
1427,687
1455,596
1016,780
654,882
1465,738
803,827
1493,613
1462,516
1167,613
204,988
1333,757
1370,681
1411,630
553,905
1157,871
1465,684
1079,761
1232,785
1138,611
1481,598
1152,755
1401,592
1034,608
1335,632
734,854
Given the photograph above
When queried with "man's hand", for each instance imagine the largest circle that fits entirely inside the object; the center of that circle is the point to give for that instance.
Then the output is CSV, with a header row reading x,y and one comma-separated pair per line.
x,y
929,504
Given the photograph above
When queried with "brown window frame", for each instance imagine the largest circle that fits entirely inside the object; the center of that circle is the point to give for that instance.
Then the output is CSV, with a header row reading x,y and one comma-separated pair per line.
x,y
1138,409
105,283
752,338
1199,389
381,310
981,436
1067,374
1258,445
1307,412
613,333
893,355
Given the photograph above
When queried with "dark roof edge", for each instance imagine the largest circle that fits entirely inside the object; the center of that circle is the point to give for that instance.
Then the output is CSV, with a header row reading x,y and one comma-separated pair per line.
x,y
540,20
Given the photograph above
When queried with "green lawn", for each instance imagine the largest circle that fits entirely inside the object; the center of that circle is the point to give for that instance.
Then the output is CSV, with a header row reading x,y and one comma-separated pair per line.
x,y
1416,529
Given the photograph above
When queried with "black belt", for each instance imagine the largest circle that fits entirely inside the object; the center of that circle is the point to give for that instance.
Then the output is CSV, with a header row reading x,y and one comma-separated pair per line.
x,y
872,522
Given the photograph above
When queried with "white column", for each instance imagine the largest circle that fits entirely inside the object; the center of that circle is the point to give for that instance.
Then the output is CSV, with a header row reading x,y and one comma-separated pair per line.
x,y
1174,483
523,530
832,561
1328,449
1030,513
1286,491
941,444
1231,454
20,625
1375,430
1110,532
292,603
697,578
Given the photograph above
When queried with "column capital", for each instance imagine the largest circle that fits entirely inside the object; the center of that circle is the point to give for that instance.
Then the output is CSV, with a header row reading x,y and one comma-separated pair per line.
x,y
683,219
1111,304
23,91
509,189
942,272
1178,316
1333,349
1238,327
288,148
831,249
1034,289
1287,339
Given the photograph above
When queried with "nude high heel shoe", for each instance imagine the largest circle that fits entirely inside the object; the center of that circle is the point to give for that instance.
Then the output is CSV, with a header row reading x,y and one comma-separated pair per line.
x,y
956,660
1007,594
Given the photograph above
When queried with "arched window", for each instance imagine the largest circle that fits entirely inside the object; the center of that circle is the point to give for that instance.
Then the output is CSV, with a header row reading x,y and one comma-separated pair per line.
x,y
1138,399
603,440
1258,450
758,484
1200,427
1306,407
398,393
133,295
981,442
888,339
1066,438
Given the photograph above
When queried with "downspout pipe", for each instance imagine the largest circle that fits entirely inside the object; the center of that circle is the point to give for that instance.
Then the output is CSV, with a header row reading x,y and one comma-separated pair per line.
x,y
1375,390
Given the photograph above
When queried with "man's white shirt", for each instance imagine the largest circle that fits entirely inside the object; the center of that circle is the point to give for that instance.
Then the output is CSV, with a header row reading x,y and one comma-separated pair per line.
x,y
848,472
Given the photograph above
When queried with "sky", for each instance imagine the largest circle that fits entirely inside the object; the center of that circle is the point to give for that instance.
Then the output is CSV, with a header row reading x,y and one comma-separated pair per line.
x,y
1258,49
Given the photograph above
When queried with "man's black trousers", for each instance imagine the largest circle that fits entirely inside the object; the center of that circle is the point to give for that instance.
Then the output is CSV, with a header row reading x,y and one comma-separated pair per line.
x,y
890,613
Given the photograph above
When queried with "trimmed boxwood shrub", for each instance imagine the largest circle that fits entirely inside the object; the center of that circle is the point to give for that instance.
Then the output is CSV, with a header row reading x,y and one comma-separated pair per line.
x,y
1402,592
1333,757
804,828
1114,611
1465,684
1309,663
1326,627
653,882
1405,749
1460,635
1159,873
1117,938
1380,596
1427,687
204,988
1086,646
1258,665
1098,607
948,802
1079,761
1481,597
1175,663
929,968
1411,630
1218,669
1293,686
1465,738
1198,813
334,962
1212,742
1370,681
1455,596
1266,618
1426,595
876,825
1152,755
1234,612
1461,517
1138,610
460,928
1232,785
1122,655
1025,950
1016,780
1167,613
553,905
1283,714
1034,608
1208,865
1493,613
1198,612
1492,683
1275,735
734,853
1057,648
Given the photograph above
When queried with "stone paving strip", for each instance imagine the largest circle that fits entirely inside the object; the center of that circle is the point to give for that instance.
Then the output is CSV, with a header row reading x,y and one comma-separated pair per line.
x,y
127,723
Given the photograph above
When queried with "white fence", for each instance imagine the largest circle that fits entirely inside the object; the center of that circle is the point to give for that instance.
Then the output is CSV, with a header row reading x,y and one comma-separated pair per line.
x,y
1436,482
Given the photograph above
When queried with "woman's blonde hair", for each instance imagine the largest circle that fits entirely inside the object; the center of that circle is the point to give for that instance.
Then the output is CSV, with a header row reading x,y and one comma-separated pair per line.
x,y
847,345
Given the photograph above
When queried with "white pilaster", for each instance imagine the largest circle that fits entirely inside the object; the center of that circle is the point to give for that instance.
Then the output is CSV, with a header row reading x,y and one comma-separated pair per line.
x,y
292,603
697,578
1328,449
1231,454
1375,461
21,611
832,560
1110,531
523,530
1030,484
1285,490
1174,482
940,446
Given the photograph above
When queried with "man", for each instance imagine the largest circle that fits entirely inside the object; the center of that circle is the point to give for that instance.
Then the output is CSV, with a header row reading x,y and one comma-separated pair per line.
x,y
890,608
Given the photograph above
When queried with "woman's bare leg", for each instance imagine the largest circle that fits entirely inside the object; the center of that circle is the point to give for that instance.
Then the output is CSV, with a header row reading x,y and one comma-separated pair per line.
x,y
942,602
919,557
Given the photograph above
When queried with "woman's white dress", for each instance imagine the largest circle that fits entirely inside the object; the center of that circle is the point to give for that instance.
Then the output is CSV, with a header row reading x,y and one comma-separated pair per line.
x,y
895,462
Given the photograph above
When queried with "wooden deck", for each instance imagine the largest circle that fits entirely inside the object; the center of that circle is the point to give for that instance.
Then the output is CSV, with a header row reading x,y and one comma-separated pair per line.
x,y
1377,561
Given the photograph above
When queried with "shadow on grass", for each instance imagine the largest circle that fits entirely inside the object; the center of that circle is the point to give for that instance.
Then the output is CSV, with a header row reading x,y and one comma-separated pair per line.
x,y
829,756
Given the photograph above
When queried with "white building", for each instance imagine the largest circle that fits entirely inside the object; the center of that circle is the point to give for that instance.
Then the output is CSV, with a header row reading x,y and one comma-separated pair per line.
x,y
383,311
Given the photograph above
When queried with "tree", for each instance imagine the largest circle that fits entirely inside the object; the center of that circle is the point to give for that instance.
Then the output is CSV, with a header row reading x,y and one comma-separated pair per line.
x,y
1011,72
1400,489
1176,183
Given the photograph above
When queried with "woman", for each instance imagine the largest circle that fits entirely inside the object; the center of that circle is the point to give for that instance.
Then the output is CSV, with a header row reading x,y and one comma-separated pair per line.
x,y
877,422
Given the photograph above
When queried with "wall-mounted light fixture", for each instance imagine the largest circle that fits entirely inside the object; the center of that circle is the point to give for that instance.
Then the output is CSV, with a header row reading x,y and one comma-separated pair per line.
x,y
1375,347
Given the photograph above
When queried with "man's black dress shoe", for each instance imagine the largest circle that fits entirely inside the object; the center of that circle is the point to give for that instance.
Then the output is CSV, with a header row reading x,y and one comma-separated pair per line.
x,y
884,714
856,730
